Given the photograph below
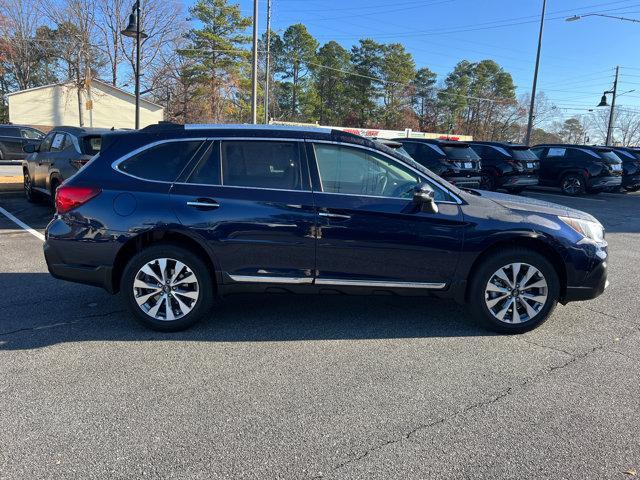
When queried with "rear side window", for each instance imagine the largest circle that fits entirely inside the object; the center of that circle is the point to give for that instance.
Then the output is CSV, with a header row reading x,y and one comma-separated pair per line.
x,y
207,172
162,162
275,165
31,134
57,144
556,152
91,145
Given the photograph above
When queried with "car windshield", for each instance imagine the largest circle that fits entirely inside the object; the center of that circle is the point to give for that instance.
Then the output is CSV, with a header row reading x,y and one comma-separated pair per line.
x,y
460,153
91,145
523,154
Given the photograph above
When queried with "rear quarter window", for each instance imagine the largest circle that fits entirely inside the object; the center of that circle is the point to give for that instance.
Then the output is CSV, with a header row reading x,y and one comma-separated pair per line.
x,y
162,162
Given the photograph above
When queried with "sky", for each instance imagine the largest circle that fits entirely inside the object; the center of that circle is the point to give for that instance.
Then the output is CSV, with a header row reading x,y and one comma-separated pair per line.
x,y
577,60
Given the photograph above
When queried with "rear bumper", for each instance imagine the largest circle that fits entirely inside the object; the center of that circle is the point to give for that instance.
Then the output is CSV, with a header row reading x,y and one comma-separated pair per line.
x,y
604,182
631,180
523,180
100,276
469,180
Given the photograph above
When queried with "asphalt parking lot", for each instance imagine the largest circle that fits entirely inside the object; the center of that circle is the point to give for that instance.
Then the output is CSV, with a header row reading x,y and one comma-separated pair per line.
x,y
316,387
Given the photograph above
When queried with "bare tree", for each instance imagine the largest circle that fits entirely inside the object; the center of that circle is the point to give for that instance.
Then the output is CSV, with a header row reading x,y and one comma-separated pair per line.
x,y
111,19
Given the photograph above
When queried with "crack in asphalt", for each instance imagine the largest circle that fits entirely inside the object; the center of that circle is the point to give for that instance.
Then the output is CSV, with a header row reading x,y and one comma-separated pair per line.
x,y
483,403
60,324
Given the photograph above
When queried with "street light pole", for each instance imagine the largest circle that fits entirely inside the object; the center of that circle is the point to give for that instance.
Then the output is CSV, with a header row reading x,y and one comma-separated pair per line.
x,y
267,65
613,106
133,31
535,76
254,72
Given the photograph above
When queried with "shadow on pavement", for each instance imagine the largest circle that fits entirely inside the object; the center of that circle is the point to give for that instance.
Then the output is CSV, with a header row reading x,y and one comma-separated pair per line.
x,y
237,318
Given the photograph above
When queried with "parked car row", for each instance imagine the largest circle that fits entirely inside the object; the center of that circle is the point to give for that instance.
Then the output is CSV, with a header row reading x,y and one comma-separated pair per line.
x,y
172,216
575,169
14,138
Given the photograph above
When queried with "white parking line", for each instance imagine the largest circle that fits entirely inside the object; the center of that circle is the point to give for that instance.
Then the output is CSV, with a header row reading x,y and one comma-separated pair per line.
x,y
22,225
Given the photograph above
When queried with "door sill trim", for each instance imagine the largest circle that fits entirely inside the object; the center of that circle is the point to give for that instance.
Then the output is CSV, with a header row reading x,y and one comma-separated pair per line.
x,y
379,284
261,279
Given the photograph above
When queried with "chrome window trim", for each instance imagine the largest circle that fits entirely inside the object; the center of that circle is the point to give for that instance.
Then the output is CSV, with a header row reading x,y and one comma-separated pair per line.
x,y
421,174
290,128
147,146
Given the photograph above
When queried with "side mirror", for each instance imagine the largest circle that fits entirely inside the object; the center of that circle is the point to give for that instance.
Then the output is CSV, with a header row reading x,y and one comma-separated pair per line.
x,y
30,148
425,198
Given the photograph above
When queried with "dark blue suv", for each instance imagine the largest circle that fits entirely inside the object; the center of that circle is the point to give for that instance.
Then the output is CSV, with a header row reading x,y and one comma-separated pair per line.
x,y
172,216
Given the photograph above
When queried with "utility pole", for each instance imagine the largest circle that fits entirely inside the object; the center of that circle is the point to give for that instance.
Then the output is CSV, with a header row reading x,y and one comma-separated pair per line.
x,y
254,72
535,76
613,106
267,73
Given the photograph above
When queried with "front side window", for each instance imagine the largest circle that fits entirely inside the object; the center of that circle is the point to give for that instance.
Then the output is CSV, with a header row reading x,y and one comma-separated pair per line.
x,y
523,154
355,171
162,162
31,134
46,143
262,164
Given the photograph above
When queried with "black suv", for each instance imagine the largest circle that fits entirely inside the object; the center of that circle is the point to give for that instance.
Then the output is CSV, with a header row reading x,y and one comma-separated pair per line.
x,y
630,167
173,216
13,138
454,161
577,169
61,154
506,165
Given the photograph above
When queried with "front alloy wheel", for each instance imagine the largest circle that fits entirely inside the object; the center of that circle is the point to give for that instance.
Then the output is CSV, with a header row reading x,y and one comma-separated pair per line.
x,y
513,290
516,293
572,185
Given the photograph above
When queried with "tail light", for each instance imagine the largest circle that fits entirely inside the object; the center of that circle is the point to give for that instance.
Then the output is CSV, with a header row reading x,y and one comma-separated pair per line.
x,y
69,197
78,164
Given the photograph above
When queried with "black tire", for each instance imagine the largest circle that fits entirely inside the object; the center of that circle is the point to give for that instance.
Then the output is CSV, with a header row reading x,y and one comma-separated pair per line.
x,y
573,185
632,188
55,183
487,182
30,194
478,294
516,191
199,309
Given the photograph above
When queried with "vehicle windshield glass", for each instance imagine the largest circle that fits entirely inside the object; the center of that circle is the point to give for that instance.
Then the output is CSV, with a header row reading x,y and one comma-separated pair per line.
x,y
91,145
523,154
460,153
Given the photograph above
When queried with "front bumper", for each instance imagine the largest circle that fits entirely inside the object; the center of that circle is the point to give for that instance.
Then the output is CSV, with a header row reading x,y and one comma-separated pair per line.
x,y
594,283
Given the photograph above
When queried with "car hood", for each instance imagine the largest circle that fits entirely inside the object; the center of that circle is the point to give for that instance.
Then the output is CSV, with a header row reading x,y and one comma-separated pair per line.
x,y
532,205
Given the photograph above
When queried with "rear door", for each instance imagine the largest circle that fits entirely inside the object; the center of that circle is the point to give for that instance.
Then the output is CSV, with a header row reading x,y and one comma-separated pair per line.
x,y
251,201
370,233
42,158
49,158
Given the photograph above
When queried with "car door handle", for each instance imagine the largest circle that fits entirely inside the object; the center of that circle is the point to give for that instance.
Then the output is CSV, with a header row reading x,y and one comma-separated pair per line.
x,y
334,215
203,204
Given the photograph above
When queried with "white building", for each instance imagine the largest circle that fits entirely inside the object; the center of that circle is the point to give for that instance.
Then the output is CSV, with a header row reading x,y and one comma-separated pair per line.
x,y
103,106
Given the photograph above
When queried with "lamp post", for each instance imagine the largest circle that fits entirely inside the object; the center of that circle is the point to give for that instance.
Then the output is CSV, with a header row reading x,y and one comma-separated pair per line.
x,y
133,31
254,69
578,17
535,76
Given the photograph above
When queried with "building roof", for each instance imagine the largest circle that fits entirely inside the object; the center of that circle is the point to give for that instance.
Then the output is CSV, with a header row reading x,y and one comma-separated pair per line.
x,y
94,81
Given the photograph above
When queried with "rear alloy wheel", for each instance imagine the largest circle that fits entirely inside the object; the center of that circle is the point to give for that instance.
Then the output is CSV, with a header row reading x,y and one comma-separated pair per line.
x,y
167,287
487,182
632,188
514,291
572,185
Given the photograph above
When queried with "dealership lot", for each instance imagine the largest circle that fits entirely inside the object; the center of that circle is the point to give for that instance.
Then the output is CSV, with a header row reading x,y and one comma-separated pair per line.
x,y
310,387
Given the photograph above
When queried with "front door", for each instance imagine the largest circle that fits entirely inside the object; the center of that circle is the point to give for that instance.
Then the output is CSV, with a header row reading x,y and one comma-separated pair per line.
x,y
252,202
369,230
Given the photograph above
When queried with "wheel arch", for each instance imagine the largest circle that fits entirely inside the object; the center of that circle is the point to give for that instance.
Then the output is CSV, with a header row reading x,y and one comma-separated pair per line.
x,y
534,243
166,236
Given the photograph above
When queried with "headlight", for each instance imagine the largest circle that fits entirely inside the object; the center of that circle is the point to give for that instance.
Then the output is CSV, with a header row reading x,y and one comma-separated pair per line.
x,y
591,230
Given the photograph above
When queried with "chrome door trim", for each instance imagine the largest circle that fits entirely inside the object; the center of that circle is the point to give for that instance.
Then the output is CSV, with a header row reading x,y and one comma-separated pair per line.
x,y
334,215
262,279
381,284
203,204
